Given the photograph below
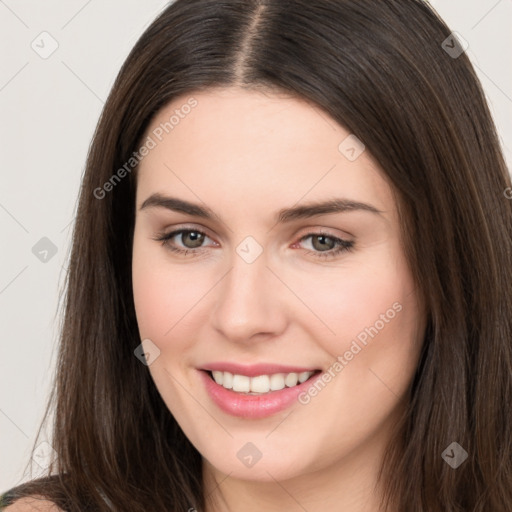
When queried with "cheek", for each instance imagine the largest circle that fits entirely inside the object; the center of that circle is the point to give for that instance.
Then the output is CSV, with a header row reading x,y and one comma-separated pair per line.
x,y
150,299
348,299
368,315
165,296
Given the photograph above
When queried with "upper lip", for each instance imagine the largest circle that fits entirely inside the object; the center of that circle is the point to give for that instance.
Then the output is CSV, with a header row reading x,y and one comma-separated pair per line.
x,y
253,370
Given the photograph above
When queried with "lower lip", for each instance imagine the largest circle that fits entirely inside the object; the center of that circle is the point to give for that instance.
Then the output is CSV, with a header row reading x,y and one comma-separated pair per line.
x,y
253,406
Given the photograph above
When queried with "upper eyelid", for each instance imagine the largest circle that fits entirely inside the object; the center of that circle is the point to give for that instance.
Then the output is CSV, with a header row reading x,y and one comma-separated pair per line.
x,y
307,231
187,230
180,229
312,232
196,230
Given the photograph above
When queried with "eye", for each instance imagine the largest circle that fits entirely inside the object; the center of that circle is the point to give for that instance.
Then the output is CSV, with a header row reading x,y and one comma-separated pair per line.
x,y
191,240
327,246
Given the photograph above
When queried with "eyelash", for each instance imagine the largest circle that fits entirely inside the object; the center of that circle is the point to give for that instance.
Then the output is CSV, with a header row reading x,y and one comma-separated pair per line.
x,y
342,245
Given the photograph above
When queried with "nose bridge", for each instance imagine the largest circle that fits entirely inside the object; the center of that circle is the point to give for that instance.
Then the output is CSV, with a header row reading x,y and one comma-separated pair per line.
x,y
246,285
245,304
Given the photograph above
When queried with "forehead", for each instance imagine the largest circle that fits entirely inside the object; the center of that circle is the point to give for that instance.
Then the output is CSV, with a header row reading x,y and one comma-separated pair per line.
x,y
226,118
261,145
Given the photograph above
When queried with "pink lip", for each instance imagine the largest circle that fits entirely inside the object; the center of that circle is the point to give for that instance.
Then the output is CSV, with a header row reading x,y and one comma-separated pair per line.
x,y
254,406
253,370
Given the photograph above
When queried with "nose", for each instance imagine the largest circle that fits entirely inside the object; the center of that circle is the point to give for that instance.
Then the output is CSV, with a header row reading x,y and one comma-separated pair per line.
x,y
250,302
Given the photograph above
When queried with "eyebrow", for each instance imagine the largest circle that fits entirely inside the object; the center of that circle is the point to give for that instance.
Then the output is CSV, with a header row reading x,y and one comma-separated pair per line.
x,y
304,211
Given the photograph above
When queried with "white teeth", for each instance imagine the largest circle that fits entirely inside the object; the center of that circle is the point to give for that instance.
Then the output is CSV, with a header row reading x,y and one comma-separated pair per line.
x,y
227,380
218,376
241,383
277,381
261,383
304,376
291,380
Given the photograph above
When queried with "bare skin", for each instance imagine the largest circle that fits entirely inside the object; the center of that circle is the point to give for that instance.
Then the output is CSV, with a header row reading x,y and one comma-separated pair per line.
x,y
33,504
246,156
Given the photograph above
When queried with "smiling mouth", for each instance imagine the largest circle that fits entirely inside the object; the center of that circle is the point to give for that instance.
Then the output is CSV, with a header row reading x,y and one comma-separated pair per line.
x,y
260,384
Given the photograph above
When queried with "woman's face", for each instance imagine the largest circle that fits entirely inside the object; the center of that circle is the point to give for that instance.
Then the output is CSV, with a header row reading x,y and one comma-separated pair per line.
x,y
269,283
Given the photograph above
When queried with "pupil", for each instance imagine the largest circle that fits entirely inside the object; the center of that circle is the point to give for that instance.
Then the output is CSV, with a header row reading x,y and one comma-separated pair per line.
x,y
195,238
323,245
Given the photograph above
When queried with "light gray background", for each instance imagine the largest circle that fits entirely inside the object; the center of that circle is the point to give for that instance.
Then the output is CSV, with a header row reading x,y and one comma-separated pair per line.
x,y
49,109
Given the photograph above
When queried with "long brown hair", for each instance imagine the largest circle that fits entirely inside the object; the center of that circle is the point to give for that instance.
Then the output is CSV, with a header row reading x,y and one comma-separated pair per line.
x,y
380,69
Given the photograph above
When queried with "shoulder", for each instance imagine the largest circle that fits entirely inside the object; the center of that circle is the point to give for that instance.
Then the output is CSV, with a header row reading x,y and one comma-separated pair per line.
x,y
33,495
32,504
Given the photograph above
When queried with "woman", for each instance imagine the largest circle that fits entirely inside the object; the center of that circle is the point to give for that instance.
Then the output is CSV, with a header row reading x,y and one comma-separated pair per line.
x,y
288,283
